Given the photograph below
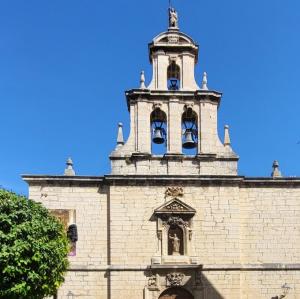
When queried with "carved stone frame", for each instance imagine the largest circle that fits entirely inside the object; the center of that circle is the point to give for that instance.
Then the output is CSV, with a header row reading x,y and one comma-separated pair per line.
x,y
160,278
174,212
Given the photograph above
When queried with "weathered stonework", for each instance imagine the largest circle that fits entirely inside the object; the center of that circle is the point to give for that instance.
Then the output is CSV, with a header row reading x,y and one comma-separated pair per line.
x,y
236,237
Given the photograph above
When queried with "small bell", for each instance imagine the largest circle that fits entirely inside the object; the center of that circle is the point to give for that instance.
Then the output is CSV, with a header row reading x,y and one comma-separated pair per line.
x,y
72,233
189,142
158,136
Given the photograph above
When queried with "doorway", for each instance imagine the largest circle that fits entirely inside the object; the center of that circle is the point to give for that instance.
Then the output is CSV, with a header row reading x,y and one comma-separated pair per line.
x,y
176,293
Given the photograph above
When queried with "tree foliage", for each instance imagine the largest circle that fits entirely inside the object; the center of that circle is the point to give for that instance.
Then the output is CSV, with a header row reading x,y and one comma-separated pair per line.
x,y
33,249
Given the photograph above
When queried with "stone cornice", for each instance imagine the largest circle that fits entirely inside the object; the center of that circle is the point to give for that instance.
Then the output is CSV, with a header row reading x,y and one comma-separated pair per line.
x,y
61,179
134,95
164,180
202,267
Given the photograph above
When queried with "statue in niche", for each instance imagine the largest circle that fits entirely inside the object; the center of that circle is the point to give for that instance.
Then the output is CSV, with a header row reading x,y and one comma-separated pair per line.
x,y
176,244
173,18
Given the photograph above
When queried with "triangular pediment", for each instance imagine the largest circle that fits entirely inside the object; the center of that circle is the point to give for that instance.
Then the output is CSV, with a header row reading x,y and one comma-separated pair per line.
x,y
175,206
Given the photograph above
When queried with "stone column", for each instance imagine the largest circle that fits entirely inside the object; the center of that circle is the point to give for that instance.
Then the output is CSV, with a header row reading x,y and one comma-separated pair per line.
x,y
174,127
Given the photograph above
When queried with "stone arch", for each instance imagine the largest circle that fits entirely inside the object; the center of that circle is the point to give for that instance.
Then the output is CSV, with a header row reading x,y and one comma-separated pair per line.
x,y
173,76
158,124
189,125
176,293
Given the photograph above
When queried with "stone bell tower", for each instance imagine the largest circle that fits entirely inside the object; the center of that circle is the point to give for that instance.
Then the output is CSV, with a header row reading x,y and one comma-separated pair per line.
x,y
175,115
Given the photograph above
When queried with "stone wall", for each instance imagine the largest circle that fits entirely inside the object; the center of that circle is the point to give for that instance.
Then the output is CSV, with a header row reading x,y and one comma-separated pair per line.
x,y
90,206
245,235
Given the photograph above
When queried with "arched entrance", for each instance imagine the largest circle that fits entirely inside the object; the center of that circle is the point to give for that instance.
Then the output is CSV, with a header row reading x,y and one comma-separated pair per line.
x,y
176,293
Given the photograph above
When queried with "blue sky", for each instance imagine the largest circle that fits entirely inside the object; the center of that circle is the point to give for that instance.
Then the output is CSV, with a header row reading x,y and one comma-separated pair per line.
x,y
64,67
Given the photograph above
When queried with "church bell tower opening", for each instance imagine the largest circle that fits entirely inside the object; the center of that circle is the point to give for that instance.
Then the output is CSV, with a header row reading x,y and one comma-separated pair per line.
x,y
158,120
173,76
173,120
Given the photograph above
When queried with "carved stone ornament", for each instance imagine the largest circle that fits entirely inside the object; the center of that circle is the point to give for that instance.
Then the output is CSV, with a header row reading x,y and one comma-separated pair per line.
x,y
176,207
173,39
176,220
174,279
152,282
188,105
157,105
174,192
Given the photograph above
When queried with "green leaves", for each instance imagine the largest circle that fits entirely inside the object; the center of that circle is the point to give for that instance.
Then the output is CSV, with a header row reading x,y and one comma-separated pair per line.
x,y
33,249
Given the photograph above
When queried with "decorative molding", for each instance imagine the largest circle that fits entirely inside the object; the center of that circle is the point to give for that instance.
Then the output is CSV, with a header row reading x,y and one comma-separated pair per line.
x,y
175,206
176,220
173,39
157,105
153,282
174,192
174,279
189,105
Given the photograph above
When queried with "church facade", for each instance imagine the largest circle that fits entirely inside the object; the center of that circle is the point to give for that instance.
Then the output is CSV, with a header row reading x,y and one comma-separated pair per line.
x,y
174,219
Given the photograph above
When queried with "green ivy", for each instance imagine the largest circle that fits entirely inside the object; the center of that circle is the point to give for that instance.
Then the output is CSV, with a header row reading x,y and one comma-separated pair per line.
x,y
33,249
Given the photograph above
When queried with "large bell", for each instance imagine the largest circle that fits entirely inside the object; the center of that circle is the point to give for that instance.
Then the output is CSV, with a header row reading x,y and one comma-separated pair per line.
x,y
158,136
189,142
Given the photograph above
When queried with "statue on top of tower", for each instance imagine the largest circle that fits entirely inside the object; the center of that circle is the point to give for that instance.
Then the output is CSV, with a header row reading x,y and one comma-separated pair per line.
x,y
173,18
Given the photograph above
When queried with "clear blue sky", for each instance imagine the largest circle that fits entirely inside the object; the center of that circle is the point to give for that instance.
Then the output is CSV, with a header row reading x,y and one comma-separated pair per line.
x,y
64,66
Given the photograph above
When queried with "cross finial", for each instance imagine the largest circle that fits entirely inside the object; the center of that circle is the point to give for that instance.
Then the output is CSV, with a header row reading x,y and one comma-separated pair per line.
x,y
69,171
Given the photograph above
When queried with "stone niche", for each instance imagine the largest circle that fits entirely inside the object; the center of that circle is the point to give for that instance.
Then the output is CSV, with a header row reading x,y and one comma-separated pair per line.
x,y
174,233
66,217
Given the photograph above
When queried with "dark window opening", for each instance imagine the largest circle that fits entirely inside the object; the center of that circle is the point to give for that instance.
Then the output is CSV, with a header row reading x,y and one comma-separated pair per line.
x,y
173,76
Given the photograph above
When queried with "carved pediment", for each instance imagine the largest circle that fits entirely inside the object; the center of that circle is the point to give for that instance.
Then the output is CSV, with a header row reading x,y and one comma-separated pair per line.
x,y
175,206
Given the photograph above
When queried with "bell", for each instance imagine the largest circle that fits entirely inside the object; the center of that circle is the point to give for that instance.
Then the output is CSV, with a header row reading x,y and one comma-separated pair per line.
x,y
189,142
72,233
158,136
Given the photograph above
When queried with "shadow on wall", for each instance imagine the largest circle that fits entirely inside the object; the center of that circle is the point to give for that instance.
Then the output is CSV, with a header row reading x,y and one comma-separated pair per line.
x,y
209,291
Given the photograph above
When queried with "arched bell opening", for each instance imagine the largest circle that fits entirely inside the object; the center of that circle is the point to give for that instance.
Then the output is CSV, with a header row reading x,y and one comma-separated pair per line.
x,y
189,124
173,76
158,120
176,292
175,241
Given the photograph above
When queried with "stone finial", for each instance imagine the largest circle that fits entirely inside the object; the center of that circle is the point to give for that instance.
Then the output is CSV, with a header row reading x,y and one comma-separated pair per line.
x,y
226,136
276,172
204,81
142,80
69,171
120,138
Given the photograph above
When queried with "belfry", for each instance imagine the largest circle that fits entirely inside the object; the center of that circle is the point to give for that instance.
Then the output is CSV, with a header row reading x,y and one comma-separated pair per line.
x,y
174,219
175,112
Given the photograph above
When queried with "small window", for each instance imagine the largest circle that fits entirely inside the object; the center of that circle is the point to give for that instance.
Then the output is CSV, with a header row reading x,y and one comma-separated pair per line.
x,y
173,76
